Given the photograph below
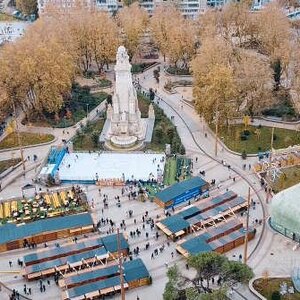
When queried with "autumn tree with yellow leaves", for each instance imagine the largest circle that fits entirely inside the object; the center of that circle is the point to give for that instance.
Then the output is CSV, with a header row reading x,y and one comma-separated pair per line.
x,y
175,36
133,21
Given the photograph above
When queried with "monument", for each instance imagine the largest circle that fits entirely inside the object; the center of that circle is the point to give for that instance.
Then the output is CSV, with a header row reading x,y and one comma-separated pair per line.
x,y
124,128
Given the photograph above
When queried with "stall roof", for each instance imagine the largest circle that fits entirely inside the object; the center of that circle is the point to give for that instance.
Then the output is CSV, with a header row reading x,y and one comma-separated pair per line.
x,y
94,286
175,223
97,243
180,188
135,270
110,242
12,232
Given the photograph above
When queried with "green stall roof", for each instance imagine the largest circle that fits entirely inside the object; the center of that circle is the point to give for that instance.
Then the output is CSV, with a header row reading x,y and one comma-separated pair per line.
x,y
180,188
110,243
135,270
13,232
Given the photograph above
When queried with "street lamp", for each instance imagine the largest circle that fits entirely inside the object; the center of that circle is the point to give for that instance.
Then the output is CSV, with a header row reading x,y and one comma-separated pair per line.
x,y
87,110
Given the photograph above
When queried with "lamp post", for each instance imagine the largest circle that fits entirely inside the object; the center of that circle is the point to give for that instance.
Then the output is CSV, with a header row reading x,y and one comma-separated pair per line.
x,y
87,110
216,132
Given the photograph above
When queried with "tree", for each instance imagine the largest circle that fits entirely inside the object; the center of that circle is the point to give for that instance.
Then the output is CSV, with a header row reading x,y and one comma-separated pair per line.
x,y
133,21
214,94
235,272
36,71
172,287
254,80
220,294
275,34
174,35
208,265
27,7
161,26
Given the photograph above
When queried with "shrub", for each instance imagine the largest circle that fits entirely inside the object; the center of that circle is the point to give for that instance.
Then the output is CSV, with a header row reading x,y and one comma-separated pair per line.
x,y
276,296
244,137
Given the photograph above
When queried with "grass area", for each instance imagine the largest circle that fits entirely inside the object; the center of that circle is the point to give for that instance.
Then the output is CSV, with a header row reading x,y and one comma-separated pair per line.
x,y
103,82
5,164
289,177
88,138
170,85
27,139
237,139
177,71
164,131
268,286
5,17
74,110
177,169
170,171
139,68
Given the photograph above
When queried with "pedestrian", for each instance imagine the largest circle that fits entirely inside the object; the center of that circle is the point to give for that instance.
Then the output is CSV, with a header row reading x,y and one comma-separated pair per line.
x,y
172,254
152,255
10,264
196,159
29,291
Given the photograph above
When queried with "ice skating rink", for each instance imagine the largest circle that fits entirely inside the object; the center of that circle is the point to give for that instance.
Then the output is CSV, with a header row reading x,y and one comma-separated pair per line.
x,y
84,166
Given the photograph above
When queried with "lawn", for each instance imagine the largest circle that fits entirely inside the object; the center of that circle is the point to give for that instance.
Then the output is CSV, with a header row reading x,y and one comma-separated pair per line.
x,y
289,177
74,109
88,138
170,171
27,139
239,140
270,285
5,164
177,169
5,17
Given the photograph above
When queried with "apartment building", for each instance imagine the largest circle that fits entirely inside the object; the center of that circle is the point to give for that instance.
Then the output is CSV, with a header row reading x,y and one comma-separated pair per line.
x,y
189,8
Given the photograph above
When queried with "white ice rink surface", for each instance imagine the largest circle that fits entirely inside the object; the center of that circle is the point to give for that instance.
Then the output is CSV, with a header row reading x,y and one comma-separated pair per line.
x,y
111,165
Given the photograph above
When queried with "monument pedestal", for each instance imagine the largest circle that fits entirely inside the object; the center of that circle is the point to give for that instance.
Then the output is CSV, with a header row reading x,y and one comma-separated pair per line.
x,y
124,128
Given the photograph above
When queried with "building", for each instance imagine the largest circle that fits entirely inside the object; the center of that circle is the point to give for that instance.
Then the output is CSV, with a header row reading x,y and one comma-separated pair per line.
x,y
181,192
190,9
285,211
61,5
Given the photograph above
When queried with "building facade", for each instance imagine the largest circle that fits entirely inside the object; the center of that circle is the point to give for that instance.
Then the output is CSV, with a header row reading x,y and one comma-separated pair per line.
x,y
190,9
61,5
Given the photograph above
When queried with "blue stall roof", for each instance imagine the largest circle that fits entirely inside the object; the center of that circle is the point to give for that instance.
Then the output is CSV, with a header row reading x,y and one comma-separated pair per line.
x,y
180,188
196,245
61,251
189,212
95,286
175,223
13,232
135,270
110,243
